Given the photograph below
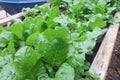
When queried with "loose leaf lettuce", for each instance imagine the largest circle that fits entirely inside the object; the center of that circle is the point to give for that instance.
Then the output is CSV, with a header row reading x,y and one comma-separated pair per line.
x,y
56,55
25,59
7,71
66,72
17,29
51,42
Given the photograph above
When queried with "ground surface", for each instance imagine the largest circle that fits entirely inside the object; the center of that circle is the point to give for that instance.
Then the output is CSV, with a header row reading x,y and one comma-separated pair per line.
x,y
114,67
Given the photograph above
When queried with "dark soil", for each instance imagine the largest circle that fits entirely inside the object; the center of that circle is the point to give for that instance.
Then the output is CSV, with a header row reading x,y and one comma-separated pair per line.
x,y
114,67
91,57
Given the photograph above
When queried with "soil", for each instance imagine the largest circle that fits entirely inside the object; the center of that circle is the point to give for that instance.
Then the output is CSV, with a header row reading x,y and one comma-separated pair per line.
x,y
91,57
114,67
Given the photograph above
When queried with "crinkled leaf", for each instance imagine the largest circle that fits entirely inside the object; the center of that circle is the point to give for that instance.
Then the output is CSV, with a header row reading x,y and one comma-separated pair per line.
x,y
38,71
99,9
30,40
114,20
27,22
76,60
39,24
36,25
7,71
98,22
25,59
95,33
87,45
56,52
5,36
51,34
55,2
64,20
92,76
54,12
65,72
50,70
9,50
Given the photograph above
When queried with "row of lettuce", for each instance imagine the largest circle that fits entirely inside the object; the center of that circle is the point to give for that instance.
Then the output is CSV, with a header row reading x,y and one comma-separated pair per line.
x,y
51,42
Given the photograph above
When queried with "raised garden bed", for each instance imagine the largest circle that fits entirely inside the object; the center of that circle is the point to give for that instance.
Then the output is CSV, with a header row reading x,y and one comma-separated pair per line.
x,y
102,59
113,72
103,56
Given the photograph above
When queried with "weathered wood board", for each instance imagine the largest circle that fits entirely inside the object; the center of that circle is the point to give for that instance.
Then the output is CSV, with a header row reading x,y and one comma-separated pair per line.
x,y
103,56
10,19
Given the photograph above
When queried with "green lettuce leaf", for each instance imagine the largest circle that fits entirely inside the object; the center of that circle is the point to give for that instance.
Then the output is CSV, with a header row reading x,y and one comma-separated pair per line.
x,y
39,71
76,60
66,72
56,52
5,37
25,59
30,40
7,71
17,29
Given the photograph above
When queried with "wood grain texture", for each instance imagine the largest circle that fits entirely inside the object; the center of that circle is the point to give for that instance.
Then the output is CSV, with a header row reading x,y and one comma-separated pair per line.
x,y
103,56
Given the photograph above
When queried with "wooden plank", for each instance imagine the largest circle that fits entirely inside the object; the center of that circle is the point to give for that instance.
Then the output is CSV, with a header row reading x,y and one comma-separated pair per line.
x,y
103,56
10,18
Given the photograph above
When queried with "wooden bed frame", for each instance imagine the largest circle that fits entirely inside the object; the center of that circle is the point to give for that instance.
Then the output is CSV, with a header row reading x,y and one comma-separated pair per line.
x,y
103,56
